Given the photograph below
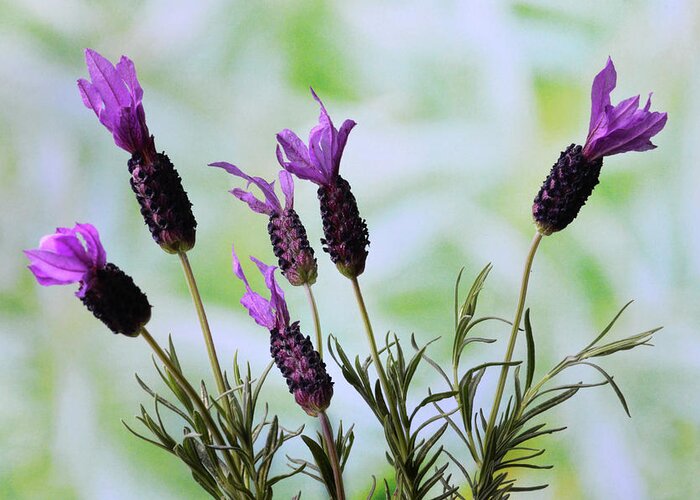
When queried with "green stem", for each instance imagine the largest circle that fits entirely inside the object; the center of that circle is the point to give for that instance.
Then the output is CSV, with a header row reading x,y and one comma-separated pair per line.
x,y
332,455
196,398
372,343
391,401
317,320
203,322
514,331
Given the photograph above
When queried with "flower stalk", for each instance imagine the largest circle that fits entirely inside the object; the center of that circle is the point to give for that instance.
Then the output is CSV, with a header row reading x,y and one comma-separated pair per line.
x,y
332,455
203,322
316,317
514,330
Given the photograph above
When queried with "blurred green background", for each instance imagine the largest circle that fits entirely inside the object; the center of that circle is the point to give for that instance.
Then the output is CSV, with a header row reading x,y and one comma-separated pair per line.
x,y
462,107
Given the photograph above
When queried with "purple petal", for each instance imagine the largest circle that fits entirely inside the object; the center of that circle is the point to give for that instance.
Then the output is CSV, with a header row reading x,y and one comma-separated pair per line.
x,y
115,95
276,294
259,308
94,246
269,206
237,269
287,185
620,128
343,133
127,72
603,84
64,258
91,97
302,169
322,139
105,78
255,205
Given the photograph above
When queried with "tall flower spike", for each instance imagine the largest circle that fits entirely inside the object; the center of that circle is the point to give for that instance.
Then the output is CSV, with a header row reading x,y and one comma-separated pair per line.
x,y
115,95
612,130
346,236
294,355
76,255
287,234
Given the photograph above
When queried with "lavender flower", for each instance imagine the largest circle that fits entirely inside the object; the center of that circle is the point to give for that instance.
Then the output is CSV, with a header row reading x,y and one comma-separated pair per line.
x,y
612,130
346,237
77,256
287,234
293,353
115,95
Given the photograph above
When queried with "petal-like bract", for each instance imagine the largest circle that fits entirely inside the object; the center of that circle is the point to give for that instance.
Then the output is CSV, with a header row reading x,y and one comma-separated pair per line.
x,y
620,128
320,161
67,256
115,95
270,313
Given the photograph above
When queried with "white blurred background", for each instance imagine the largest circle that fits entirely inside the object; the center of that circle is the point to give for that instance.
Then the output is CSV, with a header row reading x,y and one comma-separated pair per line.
x,y
462,107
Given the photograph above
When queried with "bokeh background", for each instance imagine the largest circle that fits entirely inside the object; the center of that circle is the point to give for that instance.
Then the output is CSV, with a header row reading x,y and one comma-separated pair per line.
x,y
462,107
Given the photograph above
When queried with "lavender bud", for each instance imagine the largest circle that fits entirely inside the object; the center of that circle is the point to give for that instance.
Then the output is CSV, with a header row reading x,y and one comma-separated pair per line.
x,y
165,207
565,190
303,369
291,247
346,236
114,299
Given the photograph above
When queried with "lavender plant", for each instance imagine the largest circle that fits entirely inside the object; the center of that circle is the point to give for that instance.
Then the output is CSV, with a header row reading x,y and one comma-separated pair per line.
x,y
227,441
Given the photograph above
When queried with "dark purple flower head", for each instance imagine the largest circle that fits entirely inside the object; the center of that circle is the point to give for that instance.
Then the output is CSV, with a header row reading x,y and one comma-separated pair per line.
x,y
114,94
287,234
271,205
68,256
271,313
320,161
612,130
620,128
77,256
294,354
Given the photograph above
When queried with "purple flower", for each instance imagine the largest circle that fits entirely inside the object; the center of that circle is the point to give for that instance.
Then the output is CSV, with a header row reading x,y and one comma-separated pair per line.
x,y
271,204
287,234
320,161
620,128
114,94
294,355
77,256
346,236
612,130
68,256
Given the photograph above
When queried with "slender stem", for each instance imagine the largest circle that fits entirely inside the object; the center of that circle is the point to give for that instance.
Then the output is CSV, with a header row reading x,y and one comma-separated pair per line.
x,y
514,331
204,323
372,343
317,320
332,455
196,398
391,402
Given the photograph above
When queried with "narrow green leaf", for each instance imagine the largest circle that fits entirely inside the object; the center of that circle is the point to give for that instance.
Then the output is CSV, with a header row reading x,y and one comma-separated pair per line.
x,y
530,350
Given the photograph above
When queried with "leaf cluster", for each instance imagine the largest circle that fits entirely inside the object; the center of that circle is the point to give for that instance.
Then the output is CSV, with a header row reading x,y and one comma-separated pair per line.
x,y
508,445
413,449
239,469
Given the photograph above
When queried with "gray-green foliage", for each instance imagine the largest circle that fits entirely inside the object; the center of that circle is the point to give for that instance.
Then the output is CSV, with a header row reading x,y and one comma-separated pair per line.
x,y
512,442
251,442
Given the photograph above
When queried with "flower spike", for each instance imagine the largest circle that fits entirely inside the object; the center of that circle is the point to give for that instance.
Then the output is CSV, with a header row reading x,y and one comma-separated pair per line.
x,y
287,233
115,95
346,236
76,255
612,130
293,353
